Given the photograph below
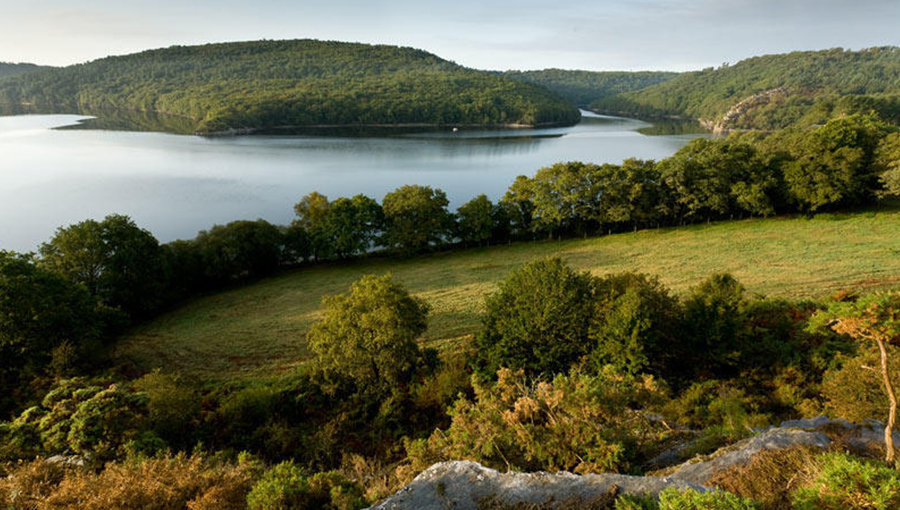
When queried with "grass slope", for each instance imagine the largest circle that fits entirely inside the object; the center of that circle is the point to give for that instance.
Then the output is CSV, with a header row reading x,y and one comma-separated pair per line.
x,y
811,85
274,84
259,329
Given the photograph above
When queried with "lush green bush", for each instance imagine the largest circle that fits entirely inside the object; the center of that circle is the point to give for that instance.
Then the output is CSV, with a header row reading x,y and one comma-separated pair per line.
x,y
689,499
539,320
79,417
288,487
849,482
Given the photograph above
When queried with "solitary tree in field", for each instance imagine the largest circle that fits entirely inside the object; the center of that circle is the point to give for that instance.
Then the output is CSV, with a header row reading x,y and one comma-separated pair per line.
x,y
875,317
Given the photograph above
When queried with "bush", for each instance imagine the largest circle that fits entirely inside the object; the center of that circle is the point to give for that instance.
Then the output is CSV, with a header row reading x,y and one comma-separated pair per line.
x,y
689,499
287,487
369,336
636,323
847,482
575,423
855,390
162,483
539,320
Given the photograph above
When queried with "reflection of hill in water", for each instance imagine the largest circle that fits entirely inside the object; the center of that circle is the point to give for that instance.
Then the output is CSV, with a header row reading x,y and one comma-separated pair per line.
x,y
673,127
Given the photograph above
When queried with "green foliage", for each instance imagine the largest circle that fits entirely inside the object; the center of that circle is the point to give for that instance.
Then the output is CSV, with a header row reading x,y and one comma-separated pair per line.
x,y
714,320
636,324
539,320
416,218
119,263
10,69
240,249
833,164
584,87
575,422
78,417
475,220
41,315
673,499
369,336
172,407
273,84
343,228
810,87
854,391
288,487
848,482
887,163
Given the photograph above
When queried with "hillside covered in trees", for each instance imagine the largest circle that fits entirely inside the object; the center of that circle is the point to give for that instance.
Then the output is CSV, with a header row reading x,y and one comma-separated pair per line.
x,y
774,91
585,87
10,69
267,84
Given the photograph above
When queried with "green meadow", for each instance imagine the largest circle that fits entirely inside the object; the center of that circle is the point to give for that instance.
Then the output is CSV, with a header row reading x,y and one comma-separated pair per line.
x,y
258,330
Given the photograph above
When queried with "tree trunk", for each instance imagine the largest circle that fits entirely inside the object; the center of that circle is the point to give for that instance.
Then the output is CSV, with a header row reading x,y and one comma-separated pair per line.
x,y
892,416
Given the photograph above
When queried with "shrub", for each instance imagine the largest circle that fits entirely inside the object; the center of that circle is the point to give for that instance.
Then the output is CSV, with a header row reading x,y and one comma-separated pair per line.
x,y
162,483
689,499
575,423
287,487
635,323
854,391
847,482
539,320
369,336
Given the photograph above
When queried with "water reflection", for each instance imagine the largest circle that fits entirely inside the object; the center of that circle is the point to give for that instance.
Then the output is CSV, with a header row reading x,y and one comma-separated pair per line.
x,y
176,185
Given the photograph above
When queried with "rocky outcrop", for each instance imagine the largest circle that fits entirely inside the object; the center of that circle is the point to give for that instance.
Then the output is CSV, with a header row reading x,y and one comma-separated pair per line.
x,y
468,485
463,485
727,122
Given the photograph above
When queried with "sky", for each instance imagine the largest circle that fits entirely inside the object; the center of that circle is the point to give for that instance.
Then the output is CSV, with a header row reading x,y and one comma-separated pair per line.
x,y
675,35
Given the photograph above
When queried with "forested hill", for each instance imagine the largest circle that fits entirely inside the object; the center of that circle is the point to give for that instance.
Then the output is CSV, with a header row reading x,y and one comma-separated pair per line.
x,y
266,84
10,69
774,91
584,87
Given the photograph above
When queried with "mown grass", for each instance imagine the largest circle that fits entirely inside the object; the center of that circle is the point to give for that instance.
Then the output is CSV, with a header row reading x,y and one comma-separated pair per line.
x,y
258,330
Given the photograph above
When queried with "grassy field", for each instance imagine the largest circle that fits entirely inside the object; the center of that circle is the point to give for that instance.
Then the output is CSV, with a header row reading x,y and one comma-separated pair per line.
x,y
259,329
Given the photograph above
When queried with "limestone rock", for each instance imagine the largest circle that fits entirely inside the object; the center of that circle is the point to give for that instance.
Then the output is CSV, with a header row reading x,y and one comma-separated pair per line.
x,y
463,485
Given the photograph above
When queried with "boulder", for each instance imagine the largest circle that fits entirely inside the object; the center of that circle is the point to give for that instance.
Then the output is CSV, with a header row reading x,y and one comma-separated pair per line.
x,y
464,485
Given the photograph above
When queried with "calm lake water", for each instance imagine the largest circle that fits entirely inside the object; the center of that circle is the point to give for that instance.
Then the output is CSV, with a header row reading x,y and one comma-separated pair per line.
x,y
176,185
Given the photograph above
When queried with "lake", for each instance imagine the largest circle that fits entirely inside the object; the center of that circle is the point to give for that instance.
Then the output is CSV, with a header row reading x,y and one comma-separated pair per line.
x,y
176,185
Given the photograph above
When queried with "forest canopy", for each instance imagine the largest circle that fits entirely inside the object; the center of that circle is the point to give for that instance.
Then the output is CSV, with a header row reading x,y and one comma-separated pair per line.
x,y
268,84
775,91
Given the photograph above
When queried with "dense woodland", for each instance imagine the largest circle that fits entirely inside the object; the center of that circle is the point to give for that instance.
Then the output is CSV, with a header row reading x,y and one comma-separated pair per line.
x,y
584,87
269,84
10,69
812,86
566,372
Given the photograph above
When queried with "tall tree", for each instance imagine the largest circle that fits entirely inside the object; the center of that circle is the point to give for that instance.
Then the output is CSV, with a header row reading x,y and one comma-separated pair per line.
x,y
475,220
118,262
416,218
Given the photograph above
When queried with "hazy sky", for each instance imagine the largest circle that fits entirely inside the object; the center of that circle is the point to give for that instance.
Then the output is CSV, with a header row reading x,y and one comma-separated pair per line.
x,y
500,34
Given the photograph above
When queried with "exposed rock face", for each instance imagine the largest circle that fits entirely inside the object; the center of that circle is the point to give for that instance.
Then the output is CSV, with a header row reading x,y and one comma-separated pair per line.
x,y
468,485
743,451
737,111
463,485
